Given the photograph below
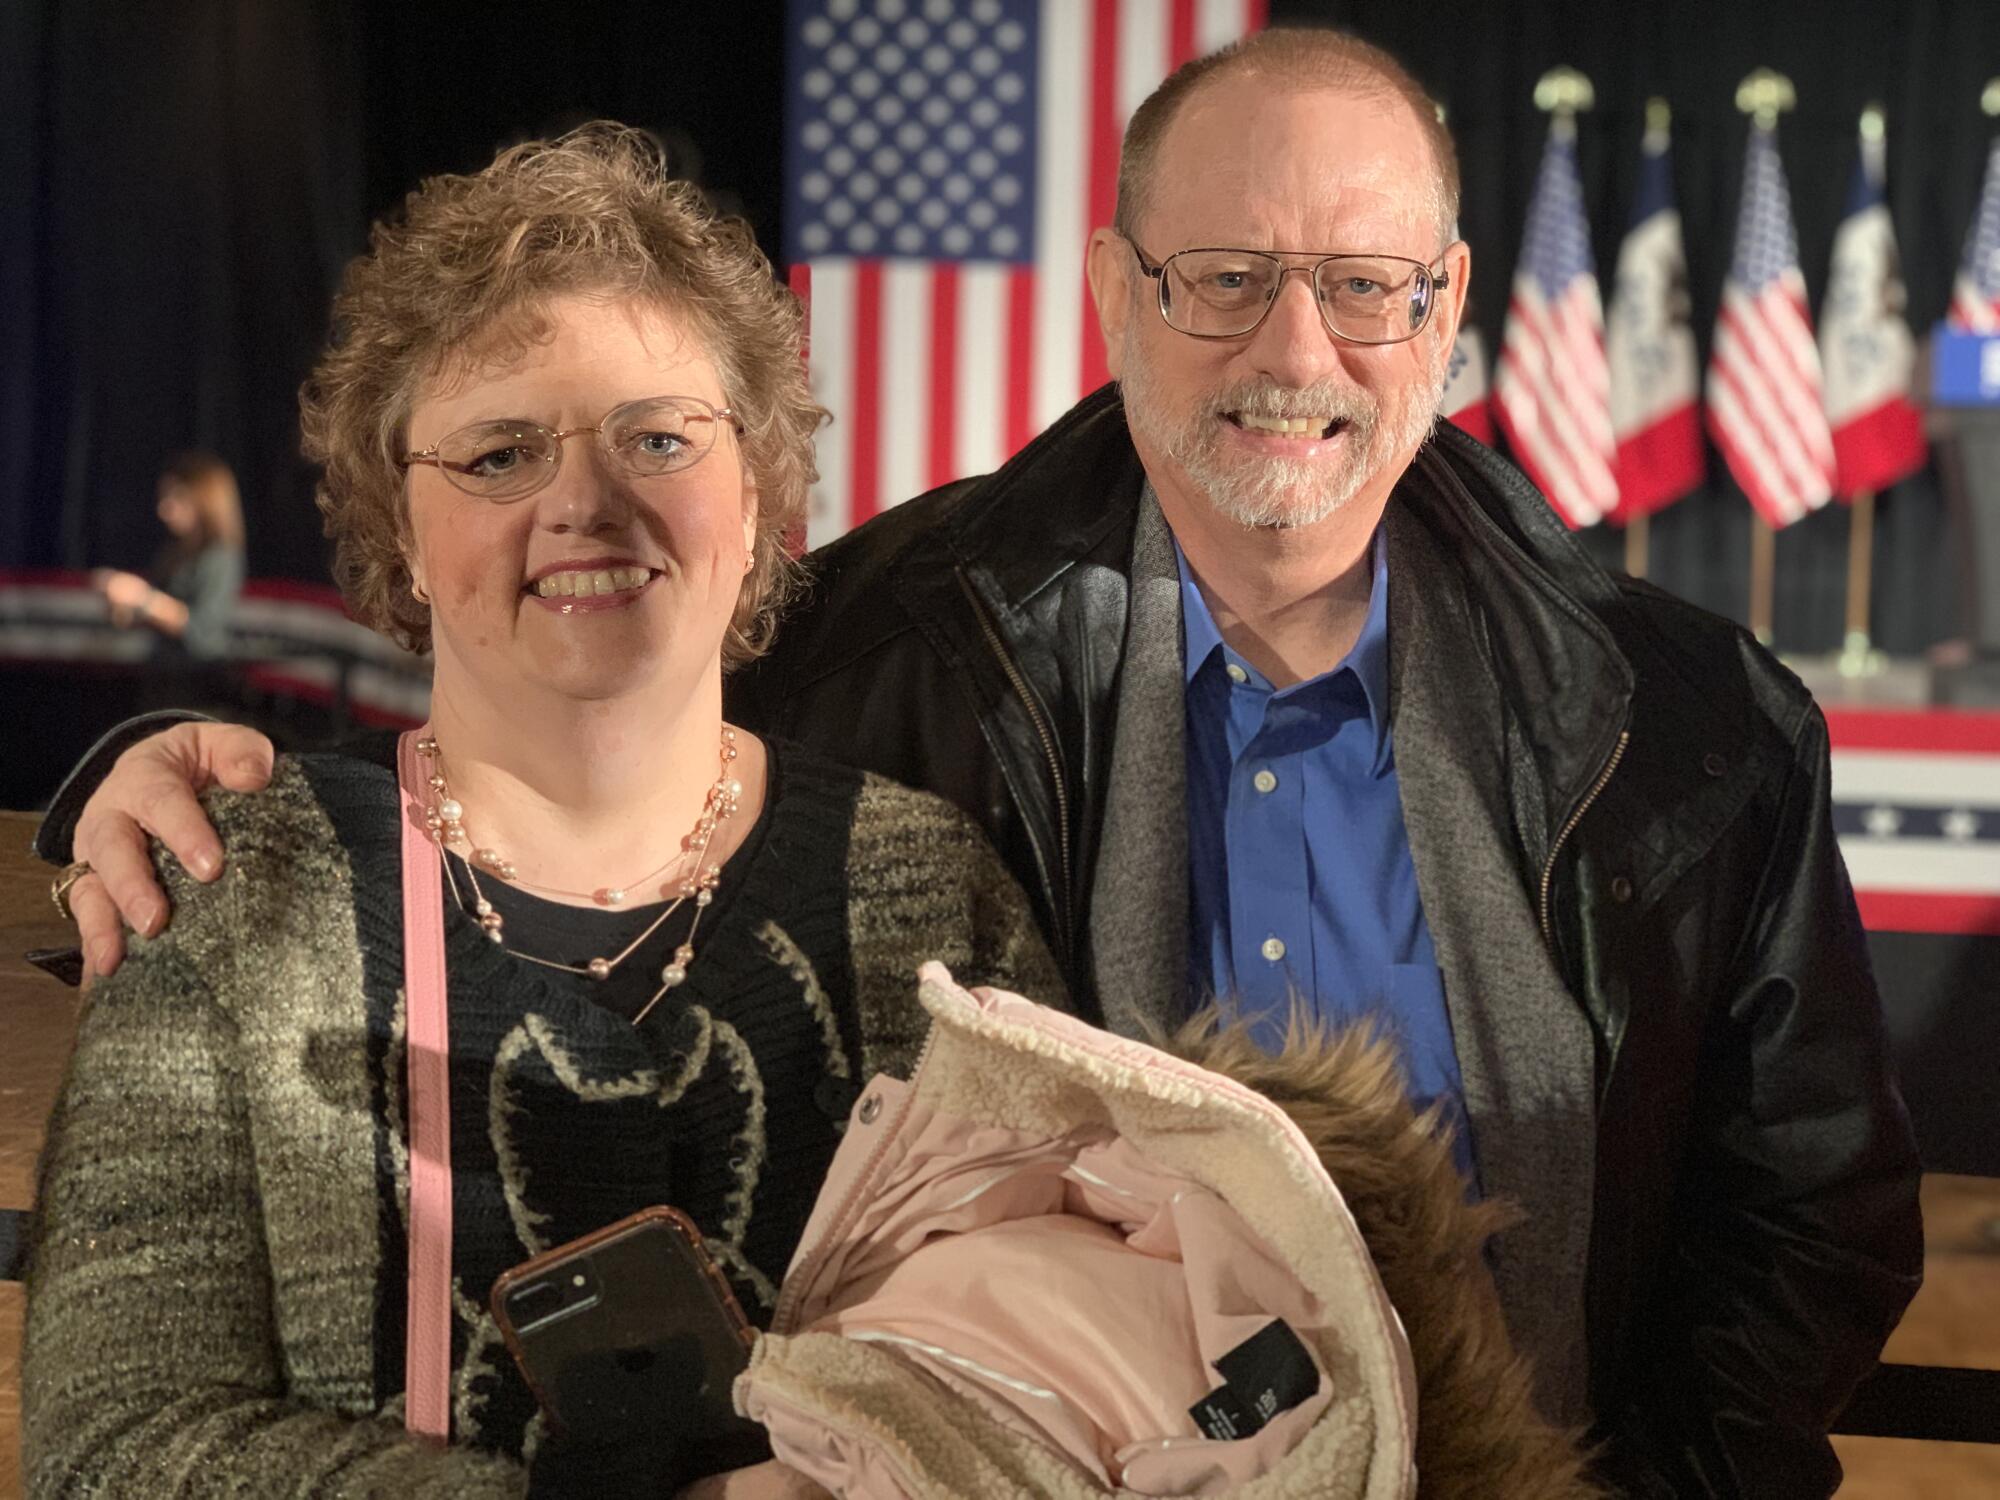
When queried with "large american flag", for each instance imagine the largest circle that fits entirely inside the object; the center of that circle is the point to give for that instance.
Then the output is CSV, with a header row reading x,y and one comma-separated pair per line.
x,y
1866,346
1552,391
1763,371
945,163
1655,371
1975,294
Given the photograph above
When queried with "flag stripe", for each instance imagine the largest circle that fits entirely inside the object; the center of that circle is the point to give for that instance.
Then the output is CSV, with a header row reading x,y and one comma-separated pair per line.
x,y
901,406
867,482
1022,348
943,455
834,350
1062,217
983,359
1105,125
1182,45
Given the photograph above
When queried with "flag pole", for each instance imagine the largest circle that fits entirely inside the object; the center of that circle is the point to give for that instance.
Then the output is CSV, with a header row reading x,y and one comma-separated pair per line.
x,y
1763,96
1635,546
1638,530
1857,657
1763,576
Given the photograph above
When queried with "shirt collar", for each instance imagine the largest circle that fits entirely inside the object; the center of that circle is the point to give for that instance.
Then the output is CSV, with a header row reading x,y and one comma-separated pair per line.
x,y
1368,660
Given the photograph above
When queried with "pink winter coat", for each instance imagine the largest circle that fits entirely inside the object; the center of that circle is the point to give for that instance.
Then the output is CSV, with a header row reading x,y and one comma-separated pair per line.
x,y
1028,1260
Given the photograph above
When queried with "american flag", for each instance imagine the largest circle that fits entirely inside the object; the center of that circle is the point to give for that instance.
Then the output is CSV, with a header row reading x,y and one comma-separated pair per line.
x,y
946,161
1865,344
1655,371
1763,371
1975,294
1552,391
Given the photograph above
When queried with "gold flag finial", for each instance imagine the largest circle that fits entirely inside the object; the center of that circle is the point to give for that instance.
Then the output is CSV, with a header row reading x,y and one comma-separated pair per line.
x,y
1765,95
1564,91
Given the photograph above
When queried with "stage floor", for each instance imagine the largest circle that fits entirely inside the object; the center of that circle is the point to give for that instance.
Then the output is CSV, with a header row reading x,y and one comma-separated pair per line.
x,y
1954,1321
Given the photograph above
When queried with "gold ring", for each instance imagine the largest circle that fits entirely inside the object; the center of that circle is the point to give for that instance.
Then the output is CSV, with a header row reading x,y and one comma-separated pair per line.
x,y
59,888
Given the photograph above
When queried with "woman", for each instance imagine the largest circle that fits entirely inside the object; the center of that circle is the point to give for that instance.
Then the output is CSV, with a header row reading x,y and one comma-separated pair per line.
x,y
196,580
565,429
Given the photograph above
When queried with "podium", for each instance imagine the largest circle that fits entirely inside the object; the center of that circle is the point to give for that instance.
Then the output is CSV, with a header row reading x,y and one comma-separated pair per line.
x,y
1965,417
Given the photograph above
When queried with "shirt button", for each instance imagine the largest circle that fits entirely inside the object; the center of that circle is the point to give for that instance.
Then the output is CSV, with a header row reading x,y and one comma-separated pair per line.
x,y
1265,781
1236,673
1274,948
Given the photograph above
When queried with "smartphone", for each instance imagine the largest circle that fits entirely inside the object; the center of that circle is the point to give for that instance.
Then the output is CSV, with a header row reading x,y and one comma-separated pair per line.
x,y
630,1327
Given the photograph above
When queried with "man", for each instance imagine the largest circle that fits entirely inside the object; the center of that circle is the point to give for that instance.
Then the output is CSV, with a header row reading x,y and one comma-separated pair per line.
x,y
1263,684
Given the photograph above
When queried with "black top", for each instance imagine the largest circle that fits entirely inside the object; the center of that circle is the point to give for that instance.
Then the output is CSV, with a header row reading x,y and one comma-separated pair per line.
x,y
576,934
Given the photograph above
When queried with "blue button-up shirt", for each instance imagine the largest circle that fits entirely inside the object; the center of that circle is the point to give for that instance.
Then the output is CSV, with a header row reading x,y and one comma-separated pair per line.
x,y
1300,881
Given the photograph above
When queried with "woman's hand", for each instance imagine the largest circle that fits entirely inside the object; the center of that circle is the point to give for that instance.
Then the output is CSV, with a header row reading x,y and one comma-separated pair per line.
x,y
769,1480
127,593
152,790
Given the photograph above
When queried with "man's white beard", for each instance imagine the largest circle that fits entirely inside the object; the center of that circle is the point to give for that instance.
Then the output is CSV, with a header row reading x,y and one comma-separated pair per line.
x,y
1278,492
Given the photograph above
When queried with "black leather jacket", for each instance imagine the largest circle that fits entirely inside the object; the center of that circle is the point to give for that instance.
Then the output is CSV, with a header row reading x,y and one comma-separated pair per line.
x,y
1756,1232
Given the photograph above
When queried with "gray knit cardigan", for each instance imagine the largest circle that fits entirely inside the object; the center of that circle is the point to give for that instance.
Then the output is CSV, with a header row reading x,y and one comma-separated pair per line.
x,y
205,1293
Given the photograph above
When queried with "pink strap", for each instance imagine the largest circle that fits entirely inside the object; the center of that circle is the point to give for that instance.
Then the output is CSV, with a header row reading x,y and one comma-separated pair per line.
x,y
427,1370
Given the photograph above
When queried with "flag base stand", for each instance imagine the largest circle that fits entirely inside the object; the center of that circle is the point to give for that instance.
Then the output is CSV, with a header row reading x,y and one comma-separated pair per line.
x,y
1859,658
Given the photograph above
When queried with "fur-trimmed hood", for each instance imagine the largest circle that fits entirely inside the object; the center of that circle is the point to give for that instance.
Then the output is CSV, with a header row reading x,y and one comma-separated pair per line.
x,y
1031,1262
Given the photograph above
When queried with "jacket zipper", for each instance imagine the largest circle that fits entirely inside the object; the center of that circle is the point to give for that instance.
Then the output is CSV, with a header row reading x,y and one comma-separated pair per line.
x,y
1576,817
1046,735
808,1265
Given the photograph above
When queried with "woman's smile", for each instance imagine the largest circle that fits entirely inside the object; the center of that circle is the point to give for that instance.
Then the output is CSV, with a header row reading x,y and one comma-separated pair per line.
x,y
589,585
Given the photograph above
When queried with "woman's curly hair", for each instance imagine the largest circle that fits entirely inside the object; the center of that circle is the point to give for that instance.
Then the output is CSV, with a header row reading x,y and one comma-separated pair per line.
x,y
592,211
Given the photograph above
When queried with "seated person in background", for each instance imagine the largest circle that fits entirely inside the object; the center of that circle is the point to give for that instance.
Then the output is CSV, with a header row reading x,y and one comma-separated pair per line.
x,y
565,428
195,581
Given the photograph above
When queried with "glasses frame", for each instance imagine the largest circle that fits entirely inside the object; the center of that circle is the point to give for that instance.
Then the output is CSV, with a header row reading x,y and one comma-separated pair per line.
x,y
1157,270
716,414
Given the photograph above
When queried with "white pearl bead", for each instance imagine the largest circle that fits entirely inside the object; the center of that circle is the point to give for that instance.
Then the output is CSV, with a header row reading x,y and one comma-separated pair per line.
x,y
450,810
702,898
614,898
672,975
733,790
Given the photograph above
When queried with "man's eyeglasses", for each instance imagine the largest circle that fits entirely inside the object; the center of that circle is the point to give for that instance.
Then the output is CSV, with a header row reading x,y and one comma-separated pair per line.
x,y
509,460
1225,294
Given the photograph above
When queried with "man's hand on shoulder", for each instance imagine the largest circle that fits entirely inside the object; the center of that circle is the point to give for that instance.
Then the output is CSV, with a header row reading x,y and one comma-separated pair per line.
x,y
153,791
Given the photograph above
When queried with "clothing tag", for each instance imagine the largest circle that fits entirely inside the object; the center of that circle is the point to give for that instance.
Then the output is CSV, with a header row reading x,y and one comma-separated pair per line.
x,y
1270,1372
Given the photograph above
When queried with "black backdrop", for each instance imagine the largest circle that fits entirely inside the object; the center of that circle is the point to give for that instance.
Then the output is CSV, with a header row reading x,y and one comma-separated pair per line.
x,y
181,180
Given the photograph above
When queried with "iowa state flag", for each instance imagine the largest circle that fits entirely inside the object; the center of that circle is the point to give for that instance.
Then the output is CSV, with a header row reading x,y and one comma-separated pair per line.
x,y
1865,346
1655,370
1467,402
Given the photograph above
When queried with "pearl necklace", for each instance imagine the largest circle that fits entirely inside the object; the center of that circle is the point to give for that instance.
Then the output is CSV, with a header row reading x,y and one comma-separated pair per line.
x,y
445,819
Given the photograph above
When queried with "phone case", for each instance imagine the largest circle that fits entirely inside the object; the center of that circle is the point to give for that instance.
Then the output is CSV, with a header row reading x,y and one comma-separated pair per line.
x,y
629,1327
